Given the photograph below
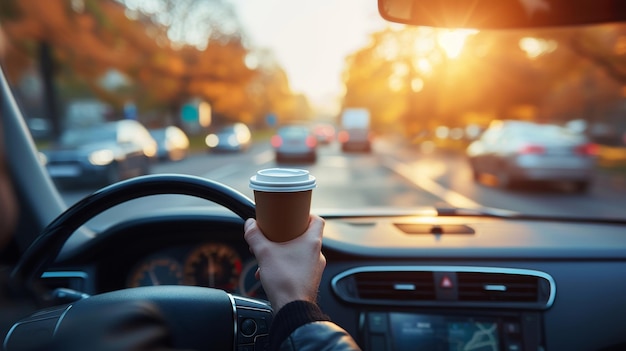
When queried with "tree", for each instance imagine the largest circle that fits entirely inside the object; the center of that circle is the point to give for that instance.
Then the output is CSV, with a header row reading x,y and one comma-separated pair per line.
x,y
422,77
89,39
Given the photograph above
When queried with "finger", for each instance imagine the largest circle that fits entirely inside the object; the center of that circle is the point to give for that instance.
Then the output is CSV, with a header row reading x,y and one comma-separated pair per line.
x,y
250,229
316,226
248,224
257,274
317,222
256,240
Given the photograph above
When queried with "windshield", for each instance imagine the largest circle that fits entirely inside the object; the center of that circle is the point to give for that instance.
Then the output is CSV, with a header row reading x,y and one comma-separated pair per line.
x,y
532,121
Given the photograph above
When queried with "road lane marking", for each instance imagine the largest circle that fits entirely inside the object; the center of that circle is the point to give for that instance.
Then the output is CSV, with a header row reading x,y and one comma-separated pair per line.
x,y
449,196
264,157
222,172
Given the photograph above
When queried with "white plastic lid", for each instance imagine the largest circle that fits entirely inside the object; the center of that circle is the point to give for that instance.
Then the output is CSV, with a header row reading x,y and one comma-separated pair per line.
x,y
280,180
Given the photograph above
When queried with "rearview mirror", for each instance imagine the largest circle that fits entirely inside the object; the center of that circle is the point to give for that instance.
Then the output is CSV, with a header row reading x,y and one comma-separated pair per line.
x,y
500,14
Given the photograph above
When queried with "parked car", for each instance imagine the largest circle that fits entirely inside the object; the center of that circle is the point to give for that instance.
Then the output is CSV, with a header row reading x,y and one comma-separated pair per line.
x,y
516,151
100,154
172,143
232,137
295,143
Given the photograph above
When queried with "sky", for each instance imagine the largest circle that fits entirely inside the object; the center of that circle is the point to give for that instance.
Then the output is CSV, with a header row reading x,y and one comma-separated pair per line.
x,y
311,39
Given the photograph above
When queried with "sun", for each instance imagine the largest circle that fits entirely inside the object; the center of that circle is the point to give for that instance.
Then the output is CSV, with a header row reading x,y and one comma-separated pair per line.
x,y
453,40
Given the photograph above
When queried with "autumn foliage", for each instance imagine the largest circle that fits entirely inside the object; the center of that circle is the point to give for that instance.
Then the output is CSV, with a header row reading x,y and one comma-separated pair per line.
x,y
414,79
91,38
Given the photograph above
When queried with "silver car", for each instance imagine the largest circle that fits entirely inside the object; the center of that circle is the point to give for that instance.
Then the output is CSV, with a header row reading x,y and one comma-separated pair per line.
x,y
294,143
514,151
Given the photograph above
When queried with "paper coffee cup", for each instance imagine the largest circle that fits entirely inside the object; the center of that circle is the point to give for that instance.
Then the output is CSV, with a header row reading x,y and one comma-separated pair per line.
x,y
283,201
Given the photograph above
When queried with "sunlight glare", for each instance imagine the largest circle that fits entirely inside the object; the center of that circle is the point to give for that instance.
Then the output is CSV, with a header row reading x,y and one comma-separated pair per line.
x,y
453,40
417,85
535,47
424,45
423,65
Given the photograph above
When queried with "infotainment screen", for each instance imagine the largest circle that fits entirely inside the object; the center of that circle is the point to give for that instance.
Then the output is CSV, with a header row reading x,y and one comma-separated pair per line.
x,y
416,332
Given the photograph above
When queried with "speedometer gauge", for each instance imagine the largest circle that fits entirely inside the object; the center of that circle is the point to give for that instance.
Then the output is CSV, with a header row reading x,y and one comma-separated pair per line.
x,y
157,271
213,265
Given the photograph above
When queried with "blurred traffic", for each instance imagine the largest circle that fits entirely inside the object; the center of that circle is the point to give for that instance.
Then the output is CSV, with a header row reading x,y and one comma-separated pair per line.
x,y
233,137
100,154
172,143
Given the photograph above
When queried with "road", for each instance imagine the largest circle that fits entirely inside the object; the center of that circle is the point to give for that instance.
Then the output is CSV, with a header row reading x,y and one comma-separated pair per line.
x,y
392,176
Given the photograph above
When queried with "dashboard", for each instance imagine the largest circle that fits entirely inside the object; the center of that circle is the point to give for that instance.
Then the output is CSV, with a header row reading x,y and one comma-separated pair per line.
x,y
441,283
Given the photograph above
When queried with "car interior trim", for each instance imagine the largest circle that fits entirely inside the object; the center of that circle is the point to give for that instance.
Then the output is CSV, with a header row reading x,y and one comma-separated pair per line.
x,y
65,274
61,317
235,319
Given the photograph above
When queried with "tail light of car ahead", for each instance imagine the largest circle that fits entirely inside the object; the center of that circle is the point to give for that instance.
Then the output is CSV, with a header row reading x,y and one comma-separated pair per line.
x,y
588,149
343,136
311,142
276,141
532,149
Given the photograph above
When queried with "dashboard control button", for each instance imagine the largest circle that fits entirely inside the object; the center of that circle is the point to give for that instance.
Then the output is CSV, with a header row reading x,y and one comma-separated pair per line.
x,y
248,327
514,346
262,325
512,328
262,343
377,322
446,283
245,347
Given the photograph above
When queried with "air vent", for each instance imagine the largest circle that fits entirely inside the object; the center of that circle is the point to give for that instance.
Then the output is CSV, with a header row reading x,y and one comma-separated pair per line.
x,y
395,285
446,286
475,286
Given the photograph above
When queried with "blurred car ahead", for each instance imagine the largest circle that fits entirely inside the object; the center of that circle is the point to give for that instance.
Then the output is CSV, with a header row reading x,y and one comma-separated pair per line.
x,y
172,143
100,154
295,143
515,151
355,134
325,133
233,137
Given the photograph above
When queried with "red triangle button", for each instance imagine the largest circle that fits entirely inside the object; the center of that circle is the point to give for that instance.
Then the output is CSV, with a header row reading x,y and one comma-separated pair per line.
x,y
446,283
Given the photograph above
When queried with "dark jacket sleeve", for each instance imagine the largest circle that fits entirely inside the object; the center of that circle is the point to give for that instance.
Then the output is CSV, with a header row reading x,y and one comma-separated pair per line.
x,y
301,326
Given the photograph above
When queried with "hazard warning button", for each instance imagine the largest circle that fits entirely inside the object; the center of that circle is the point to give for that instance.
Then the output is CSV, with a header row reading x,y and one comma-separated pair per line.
x,y
446,283
446,286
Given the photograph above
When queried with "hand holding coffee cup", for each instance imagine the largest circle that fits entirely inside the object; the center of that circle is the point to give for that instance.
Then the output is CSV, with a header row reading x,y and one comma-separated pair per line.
x,y
283,201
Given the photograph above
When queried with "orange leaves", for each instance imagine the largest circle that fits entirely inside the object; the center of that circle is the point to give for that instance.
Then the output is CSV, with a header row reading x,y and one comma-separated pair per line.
x,y
103,36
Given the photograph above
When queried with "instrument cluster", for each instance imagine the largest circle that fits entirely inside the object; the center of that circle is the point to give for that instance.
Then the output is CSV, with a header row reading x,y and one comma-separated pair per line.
x,y
210,264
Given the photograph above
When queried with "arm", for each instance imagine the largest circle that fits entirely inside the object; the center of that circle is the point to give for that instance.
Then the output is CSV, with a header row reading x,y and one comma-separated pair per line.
x,y
291,273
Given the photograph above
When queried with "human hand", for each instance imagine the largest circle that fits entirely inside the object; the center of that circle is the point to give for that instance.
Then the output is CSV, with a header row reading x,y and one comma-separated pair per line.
x,y
290,270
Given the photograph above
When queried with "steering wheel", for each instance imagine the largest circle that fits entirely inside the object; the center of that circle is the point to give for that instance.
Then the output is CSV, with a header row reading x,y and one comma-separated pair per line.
x,y
197,318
